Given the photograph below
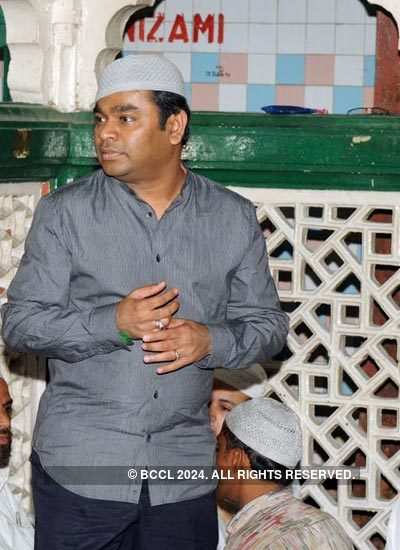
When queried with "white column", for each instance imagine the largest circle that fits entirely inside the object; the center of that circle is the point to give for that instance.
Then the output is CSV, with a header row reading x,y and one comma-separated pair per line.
x,y
56,45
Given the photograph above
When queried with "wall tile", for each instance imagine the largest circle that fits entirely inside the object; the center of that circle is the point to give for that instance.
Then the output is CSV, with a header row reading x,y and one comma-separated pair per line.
x,y
369,93
259,95
234,11
370,40
349,70
319,97
290,95
205,97
321,11
262,38
347,97
350,39
263,11
291,38
292,11
369,70
184,63
236,38
232,97
290,69
204,7
320,70
173,7
320,39
349,11
261,69
234,67
205,67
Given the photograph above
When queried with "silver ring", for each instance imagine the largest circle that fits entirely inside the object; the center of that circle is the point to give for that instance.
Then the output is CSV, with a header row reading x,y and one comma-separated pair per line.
x,y
159,324
178,355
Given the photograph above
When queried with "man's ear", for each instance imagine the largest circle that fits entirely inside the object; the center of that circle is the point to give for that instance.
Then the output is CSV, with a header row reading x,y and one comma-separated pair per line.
x,y
176,125
240,460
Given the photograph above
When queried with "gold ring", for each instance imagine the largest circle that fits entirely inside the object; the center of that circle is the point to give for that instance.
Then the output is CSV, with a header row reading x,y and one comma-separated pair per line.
x,y
178,355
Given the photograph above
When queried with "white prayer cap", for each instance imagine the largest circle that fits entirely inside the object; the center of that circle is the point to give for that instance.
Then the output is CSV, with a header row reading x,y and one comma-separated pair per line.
x,y
252,381
140,72
268,427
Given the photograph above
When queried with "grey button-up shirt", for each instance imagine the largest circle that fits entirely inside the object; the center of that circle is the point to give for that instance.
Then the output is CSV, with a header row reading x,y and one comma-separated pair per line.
x,y
92,243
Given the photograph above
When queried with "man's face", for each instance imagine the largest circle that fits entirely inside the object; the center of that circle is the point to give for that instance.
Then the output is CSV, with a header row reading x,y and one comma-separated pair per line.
x,y
5,424
223,399
227,491
129,142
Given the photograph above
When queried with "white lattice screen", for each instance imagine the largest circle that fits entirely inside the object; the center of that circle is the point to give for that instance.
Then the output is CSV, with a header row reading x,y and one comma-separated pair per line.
x,y
25,377
335,257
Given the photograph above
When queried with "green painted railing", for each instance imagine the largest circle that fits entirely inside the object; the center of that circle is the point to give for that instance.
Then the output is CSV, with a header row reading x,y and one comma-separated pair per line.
x,y
5,56
302,152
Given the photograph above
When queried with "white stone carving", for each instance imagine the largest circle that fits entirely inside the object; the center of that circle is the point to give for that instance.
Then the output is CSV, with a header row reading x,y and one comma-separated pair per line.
x,y
55,46
338,275
23,372
393,7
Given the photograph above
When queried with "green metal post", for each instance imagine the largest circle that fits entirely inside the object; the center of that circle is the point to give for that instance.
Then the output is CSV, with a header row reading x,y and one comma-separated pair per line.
x,y
5,56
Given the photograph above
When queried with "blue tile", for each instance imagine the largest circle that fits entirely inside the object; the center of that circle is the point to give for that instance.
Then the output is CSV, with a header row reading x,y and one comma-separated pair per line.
x,y
188,92
290,69
347,97
205,67
259,95
369,70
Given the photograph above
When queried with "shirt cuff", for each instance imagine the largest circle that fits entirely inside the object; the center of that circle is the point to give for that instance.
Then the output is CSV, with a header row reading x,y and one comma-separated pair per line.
x,y
222,343
103,326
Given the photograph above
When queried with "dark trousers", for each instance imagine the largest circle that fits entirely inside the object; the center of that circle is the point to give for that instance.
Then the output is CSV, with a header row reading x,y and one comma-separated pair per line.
x,y
67,521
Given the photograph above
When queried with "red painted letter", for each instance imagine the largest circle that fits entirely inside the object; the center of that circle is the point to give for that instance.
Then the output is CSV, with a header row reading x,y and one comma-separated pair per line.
x,y
221,22
200,26
151,37
179,30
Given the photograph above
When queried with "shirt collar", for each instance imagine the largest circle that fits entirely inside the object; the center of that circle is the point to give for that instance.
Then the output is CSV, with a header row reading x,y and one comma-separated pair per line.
x,y
181,199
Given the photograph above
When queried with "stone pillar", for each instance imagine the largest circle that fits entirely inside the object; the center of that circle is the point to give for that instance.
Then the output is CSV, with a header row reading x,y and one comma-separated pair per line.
x,y
392,6
56,46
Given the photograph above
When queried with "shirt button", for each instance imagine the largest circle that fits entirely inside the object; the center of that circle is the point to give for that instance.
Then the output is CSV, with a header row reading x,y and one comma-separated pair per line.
x,y
149,214
155,394
148,437
158,258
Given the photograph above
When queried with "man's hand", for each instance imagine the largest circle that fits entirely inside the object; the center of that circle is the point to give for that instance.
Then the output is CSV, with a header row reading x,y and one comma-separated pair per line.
x,y
139,312
183,342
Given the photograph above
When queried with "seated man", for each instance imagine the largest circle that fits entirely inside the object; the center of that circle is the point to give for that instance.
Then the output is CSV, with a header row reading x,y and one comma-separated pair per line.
x,y
16,530
262,435
231,387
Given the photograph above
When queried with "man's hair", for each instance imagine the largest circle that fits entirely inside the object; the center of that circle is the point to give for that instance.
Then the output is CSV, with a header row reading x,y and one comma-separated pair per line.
x,y
258,462
169,104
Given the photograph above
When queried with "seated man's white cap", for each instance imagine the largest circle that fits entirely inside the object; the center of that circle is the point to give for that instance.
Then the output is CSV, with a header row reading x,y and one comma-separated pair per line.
x,y
268,427
252,381
140,72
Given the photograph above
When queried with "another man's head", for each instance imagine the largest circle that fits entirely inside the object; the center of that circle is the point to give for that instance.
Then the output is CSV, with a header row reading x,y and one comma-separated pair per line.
x,y
5,423
258,435
231,387
141,117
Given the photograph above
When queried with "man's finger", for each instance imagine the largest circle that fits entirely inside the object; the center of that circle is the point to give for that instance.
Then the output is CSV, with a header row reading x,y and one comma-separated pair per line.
x,y
166,345
161,300
160,357
159,335
147,291
176,365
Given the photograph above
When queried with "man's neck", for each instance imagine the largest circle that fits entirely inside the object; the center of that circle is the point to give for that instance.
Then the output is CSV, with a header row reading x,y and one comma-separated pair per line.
x,y
160,191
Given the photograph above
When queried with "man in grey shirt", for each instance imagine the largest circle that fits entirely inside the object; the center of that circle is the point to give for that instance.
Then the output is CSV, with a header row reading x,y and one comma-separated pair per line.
x,y
136,282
